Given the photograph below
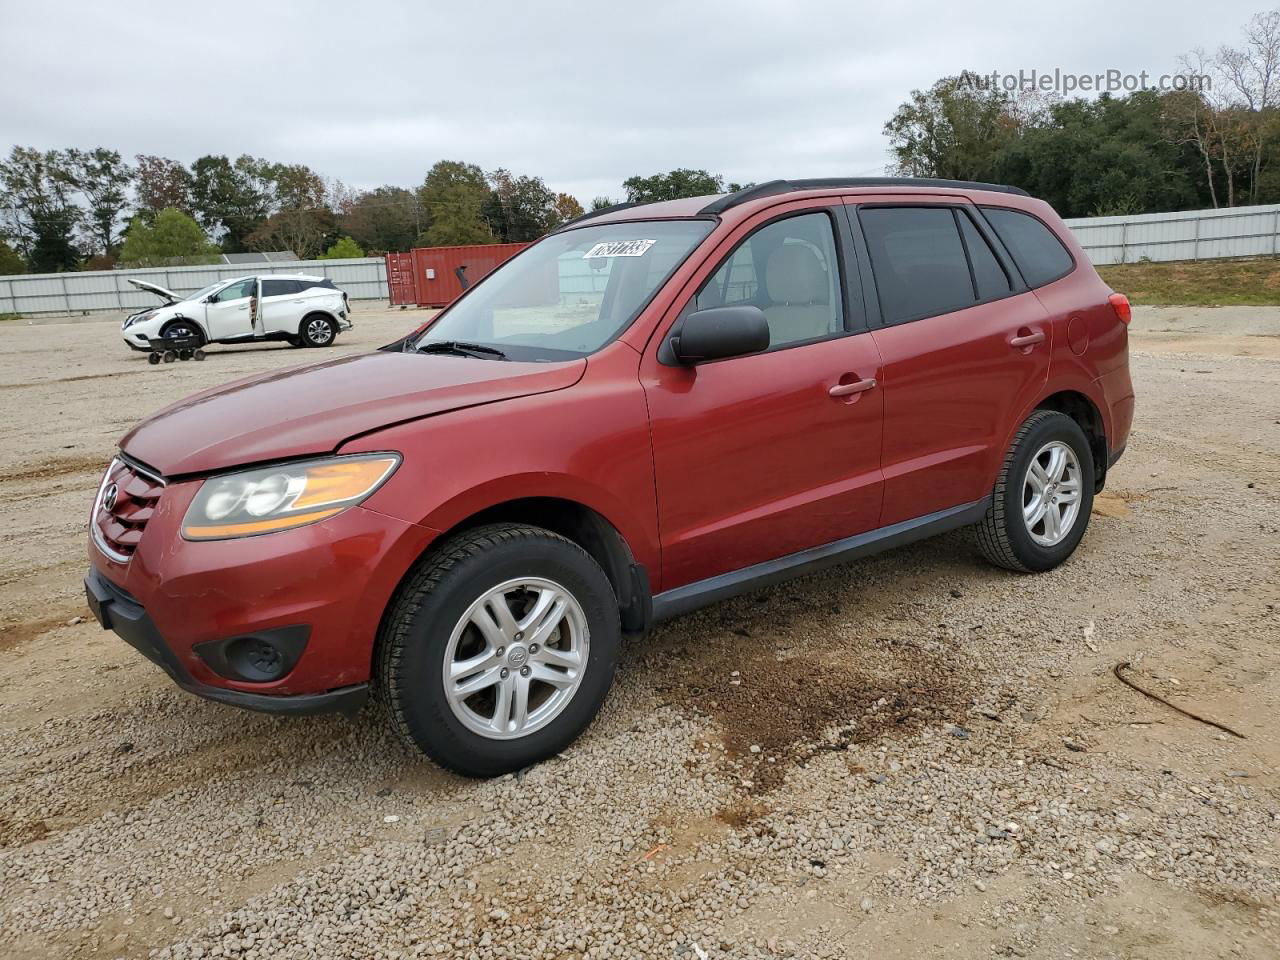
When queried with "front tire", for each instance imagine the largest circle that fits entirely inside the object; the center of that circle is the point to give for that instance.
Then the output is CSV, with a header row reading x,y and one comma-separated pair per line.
x,y
183,328
499,649
318,331
1040,508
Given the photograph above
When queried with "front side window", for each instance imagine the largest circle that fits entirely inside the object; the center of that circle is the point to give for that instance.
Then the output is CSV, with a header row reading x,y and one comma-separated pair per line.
x,y
789,270
1040,255
571,293
238,290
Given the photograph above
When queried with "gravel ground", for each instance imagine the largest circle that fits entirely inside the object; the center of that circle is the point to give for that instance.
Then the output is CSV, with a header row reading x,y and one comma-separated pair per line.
x,y
912,756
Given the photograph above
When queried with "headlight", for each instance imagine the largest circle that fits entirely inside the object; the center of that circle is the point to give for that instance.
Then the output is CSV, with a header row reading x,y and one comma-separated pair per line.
x,y
138,318
280,498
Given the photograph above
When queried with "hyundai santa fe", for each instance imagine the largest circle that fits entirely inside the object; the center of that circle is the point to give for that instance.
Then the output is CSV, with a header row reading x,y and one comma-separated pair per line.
x,y
653,408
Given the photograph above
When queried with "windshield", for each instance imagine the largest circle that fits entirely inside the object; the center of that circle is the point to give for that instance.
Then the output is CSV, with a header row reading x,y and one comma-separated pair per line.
x,y
570,293
201,294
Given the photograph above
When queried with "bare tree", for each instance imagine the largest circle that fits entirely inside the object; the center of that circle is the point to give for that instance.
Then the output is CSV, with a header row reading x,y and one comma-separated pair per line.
x,y
1251,74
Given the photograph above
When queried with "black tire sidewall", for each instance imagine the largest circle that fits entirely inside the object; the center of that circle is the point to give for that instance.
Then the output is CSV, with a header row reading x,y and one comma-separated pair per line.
x,y
419,687
1035,557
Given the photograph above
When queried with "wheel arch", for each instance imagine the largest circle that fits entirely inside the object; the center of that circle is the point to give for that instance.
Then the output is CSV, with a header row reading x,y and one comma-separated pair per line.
x,y
319,312
1085,412
575,521
182,317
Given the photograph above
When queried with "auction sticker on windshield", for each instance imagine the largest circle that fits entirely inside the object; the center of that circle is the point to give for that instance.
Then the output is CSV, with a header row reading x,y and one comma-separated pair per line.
x,y
619,248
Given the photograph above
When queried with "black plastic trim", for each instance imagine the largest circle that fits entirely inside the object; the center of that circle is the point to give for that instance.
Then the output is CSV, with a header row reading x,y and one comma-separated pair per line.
x,y
681,600
775,187
117,611
1114,456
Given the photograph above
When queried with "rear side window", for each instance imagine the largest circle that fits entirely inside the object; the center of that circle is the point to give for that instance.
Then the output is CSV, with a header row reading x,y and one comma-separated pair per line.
x,y
1038,253
918,261
310,284
988,276
279,288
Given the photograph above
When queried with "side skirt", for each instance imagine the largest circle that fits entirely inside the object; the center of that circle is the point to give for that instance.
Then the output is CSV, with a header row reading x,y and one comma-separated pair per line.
x,y
681,600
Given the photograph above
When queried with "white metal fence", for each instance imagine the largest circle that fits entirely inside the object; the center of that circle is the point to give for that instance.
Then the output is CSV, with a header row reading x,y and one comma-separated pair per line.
x,y
362,279
1188,235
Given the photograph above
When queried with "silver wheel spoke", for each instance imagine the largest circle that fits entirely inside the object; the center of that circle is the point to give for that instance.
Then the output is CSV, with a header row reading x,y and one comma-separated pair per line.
x,y
473,685
540,671
1052,522
1034,511
520,702
1037,477
551,657
488,627
461,669
1057,463
500,721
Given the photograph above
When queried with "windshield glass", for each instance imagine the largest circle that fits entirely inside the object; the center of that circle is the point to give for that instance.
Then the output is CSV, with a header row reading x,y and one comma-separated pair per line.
x,y
200,294
571,293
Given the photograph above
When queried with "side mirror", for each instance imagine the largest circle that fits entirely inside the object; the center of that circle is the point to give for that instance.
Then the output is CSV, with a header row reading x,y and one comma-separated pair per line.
x,y
721,332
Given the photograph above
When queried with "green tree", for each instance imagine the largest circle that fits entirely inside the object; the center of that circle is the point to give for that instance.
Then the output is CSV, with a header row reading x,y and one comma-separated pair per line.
x,y
11,261
172,236
520,209
297,187
681,182
103,179
955,130
599,203
160,183
453,197
232,200
344,249
37,193
384,219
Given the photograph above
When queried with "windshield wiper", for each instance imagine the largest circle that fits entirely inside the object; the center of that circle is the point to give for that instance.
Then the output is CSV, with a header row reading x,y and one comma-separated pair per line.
x,y
462,348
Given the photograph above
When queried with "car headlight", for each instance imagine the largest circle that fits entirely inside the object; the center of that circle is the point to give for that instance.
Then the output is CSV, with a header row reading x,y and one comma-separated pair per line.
x,y
282,497
138,318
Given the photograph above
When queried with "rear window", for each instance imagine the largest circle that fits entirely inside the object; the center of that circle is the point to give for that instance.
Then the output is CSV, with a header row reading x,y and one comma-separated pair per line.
x,y
1039,254
918,260
989,277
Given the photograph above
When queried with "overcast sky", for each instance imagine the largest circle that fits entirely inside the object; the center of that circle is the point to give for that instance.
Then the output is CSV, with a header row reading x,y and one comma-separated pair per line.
x,y
583,94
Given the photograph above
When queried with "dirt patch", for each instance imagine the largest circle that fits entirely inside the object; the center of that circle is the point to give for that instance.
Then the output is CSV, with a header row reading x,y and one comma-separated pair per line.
x,y
15,633
779,712
53,469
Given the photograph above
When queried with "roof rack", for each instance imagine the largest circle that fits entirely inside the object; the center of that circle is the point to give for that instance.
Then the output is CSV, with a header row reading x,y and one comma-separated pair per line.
x,y
590,214
775,187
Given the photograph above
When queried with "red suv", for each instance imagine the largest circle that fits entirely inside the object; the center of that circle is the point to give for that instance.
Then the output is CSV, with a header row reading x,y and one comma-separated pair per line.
x,y
651,409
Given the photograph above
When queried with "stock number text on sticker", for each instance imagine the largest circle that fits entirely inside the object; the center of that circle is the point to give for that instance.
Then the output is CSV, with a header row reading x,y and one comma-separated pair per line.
x,y
619,248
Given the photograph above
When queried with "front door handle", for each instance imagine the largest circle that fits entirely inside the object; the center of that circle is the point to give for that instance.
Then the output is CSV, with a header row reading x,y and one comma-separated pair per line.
x,y
1028,340
858,386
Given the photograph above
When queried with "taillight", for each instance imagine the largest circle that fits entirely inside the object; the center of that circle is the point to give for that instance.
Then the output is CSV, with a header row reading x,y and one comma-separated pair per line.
x,y
1120,304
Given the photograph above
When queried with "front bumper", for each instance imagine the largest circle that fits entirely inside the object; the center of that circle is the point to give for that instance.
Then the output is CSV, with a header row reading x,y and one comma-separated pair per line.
x,y
177,600
115,610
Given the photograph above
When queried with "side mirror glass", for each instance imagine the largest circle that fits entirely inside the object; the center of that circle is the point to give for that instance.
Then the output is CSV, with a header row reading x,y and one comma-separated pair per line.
x,y
721,332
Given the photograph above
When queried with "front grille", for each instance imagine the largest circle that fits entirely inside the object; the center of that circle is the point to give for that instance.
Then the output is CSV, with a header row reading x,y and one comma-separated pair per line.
x,y
126,501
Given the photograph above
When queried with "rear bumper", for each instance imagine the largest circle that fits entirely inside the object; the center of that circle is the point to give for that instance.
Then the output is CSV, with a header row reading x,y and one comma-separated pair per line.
x,y
117,611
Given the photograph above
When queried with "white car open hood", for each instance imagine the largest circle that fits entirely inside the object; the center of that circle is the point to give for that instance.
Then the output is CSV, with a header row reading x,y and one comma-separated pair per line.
x,y
168,296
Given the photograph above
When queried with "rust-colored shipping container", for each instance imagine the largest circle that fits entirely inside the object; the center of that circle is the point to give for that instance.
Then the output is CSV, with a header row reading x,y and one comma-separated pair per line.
x,y
434,276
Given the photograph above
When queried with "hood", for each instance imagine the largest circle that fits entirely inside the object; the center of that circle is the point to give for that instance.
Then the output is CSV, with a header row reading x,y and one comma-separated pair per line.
x,y
168,296
312,410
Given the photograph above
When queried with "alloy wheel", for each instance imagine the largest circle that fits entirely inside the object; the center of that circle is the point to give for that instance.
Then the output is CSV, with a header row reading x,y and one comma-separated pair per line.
x,y
516,658
1051,494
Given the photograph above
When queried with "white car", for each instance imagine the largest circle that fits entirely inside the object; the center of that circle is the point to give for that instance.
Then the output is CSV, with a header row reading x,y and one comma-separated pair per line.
x,y
305,311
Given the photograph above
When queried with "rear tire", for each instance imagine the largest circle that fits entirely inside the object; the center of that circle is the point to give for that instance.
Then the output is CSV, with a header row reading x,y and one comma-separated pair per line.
x,y
1040,507
445,635
318,331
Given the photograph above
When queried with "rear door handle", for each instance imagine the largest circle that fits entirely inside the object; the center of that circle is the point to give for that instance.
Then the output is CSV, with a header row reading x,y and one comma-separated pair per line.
x,y
858,386
1028,340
